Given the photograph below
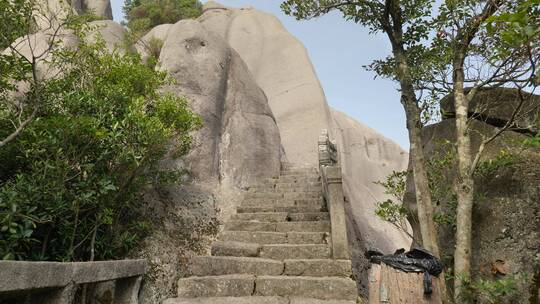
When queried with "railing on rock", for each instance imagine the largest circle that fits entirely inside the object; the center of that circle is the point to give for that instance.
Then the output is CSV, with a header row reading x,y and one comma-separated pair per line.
x,y
57,283
333,194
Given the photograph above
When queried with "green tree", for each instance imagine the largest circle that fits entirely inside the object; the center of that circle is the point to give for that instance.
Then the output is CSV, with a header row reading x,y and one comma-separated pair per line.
x,y
143,15
71,180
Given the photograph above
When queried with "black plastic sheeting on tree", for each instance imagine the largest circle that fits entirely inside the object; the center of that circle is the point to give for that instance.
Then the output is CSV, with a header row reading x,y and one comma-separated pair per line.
x,y
415,260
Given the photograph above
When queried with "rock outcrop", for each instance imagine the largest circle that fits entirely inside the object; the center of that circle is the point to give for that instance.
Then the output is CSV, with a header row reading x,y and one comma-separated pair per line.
x,y
240,140
496,107
506,214
281,66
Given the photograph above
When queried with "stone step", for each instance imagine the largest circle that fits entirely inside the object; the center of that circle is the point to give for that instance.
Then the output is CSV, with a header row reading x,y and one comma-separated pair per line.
x,y
303,169
323,288
310,189
261,217
307,189
295,251
295,179
288,186
254,300
299,175
277,195
237,285
308,216
313,226
225,265
288,209
260,202
265,195
280,217
271,251
275,237
318,268
301,195
236,249
284,184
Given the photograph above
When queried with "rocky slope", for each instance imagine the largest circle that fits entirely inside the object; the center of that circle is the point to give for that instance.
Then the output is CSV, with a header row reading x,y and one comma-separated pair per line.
x,y
262,105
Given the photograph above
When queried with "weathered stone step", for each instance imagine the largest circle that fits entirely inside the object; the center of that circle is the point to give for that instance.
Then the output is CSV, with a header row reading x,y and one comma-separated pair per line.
x,y
314,226
260,202
294,209
275,237
299,175
331,288
301,195
294,180
237,285
309,189
277,197
271,251
224,265
305,169
236,249
265,195
318,268
295,251
308,216
284,185
281,217
253,300
261,217
323,288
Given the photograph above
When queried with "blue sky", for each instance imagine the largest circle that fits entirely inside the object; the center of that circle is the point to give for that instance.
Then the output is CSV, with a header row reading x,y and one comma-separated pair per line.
x,y
338,50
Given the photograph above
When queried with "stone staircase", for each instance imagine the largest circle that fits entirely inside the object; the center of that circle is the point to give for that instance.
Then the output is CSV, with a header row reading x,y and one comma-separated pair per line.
x,y
275,250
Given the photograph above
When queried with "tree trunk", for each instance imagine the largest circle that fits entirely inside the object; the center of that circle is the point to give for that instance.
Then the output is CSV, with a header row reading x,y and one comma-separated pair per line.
x,y
423,195
414,126
464,184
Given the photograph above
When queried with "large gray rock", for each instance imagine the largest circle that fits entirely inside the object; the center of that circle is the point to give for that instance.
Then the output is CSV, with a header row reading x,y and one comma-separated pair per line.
x,y
99,8
496,107
152,42
240,140
281,67
112,34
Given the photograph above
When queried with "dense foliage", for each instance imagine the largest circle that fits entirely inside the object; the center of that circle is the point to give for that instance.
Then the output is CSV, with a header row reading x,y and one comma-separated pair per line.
x,y
70,183
143,15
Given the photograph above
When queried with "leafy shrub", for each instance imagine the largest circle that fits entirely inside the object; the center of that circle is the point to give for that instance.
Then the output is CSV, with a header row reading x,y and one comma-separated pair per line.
x,y
71,182
393,210
504,159
143,15
492,290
